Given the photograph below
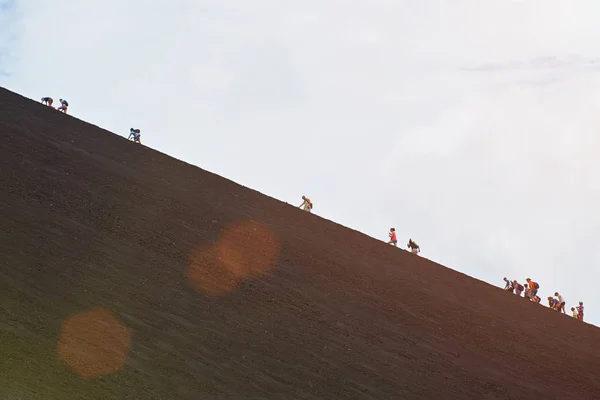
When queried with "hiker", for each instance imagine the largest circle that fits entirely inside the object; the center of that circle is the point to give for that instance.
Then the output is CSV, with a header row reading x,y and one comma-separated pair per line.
x,y
509,285
533,286
527,293
48,101
561,303
63,106
574,312
414,247
135,133
552,302
306,205
580,311
393,238
518,288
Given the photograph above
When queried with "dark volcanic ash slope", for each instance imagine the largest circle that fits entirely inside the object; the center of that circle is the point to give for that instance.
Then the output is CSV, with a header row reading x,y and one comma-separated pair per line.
x,y
127,274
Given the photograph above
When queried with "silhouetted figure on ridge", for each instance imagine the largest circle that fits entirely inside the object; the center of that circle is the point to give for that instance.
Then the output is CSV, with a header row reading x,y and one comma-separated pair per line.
x,y
48,101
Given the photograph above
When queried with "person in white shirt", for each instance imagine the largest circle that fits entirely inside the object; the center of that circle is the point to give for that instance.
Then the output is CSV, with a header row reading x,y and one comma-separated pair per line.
x,y
561,303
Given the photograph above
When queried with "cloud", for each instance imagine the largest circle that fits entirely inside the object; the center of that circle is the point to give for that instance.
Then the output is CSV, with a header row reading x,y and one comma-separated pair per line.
x,y
470,126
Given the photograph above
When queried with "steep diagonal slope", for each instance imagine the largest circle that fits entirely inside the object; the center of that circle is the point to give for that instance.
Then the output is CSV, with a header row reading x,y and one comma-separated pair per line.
x,y
127,274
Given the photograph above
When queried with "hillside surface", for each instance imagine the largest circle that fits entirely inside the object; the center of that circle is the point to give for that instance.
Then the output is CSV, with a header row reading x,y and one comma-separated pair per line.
x,y
127,274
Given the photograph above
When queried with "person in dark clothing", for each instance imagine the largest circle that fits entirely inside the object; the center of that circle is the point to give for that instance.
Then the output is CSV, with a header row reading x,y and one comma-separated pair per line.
x,y
48,101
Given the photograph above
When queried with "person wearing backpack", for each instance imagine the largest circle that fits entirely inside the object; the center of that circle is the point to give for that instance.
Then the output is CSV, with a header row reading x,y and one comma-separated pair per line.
x,y
533,287
413,246
63,106
135,133
306,205
518,288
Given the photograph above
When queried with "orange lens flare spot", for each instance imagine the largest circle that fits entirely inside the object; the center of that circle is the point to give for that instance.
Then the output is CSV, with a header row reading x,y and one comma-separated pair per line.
x,y
244,251
94,343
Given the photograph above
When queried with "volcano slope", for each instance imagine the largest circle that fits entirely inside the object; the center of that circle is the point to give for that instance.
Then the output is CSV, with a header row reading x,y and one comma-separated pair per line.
x,y
127,274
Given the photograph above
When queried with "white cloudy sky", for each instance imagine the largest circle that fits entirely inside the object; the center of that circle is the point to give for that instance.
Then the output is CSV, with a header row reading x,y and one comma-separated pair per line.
x,y
470,125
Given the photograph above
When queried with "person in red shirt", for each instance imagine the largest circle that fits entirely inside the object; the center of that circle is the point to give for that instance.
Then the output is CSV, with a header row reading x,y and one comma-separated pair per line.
x,y
533,287
393,238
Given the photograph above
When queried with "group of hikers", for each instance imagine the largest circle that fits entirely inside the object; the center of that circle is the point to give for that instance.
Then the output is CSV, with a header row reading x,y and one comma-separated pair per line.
x,y
307,206
530,289
63,103
134,134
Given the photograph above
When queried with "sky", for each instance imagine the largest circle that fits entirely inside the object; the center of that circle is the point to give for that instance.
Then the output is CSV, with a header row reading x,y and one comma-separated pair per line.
x,y
470,126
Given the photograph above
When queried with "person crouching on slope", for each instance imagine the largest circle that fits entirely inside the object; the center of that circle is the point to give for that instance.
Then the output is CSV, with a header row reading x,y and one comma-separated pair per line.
x,y
574,312
509,285
552,302
306,205
63,106
135,133
48,101
393,238
414,247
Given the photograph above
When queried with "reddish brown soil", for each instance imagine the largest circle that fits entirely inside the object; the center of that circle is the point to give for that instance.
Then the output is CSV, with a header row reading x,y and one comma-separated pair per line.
x,y
127,274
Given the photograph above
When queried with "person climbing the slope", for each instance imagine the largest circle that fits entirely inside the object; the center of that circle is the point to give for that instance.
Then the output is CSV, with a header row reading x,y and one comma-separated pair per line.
x,y
135,133
561,303
527,293
47,101
552,302
413,246
533,287
574,312
306,205
518,288
393,239
580,311
509,285
63,106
